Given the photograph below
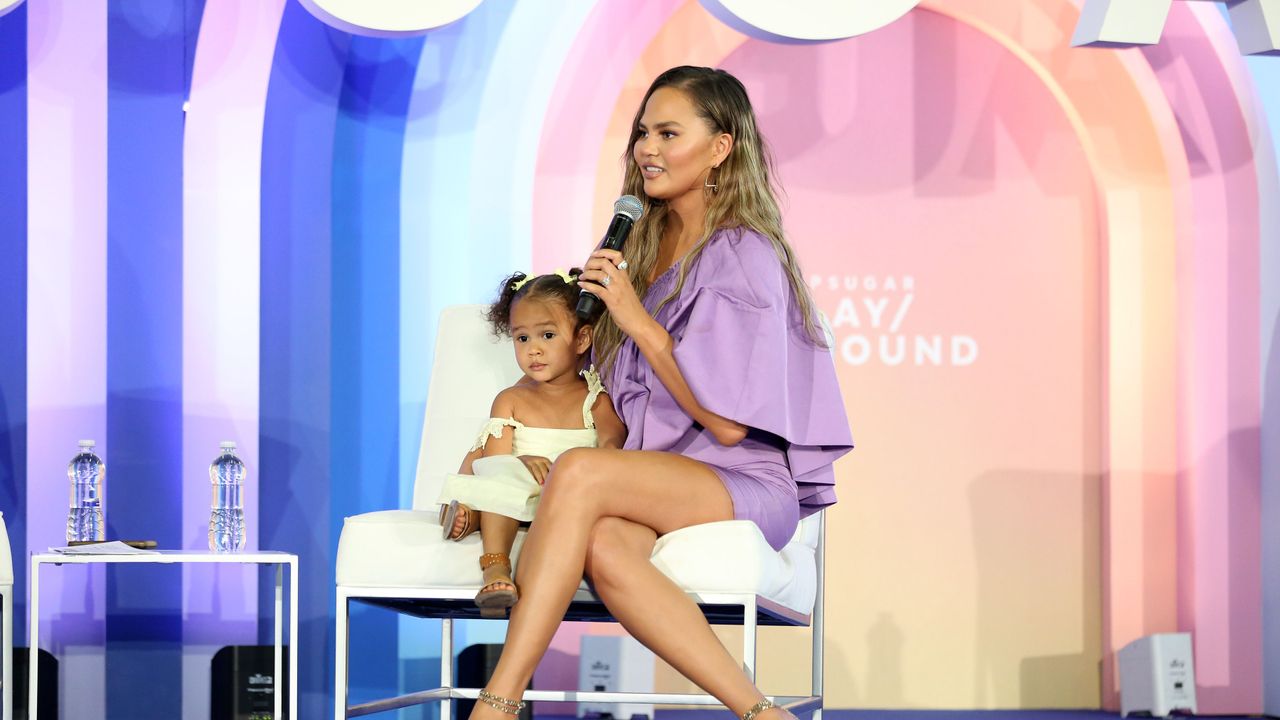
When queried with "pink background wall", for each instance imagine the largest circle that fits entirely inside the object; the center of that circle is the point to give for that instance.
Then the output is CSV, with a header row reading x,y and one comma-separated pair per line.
x,y
1057,401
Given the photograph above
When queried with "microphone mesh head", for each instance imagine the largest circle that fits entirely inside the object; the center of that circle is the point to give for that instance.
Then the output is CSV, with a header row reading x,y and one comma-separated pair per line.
x,y
630,206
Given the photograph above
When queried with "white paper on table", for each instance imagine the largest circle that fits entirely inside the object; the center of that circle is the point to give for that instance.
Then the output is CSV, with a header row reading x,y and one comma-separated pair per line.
x,y
115,547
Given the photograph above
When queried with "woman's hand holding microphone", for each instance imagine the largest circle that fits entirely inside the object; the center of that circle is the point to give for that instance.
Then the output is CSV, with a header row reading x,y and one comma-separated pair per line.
x,y
605,276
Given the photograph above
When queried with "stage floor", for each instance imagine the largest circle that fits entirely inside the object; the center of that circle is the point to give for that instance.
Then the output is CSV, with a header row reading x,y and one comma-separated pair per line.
x,y
927,715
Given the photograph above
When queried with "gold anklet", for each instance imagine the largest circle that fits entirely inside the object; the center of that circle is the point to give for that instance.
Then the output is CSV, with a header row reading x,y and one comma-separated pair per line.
x,y
758,708
501,704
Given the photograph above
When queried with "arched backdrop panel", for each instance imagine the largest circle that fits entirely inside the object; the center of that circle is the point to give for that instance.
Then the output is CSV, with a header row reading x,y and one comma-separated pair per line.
x,y
1051,272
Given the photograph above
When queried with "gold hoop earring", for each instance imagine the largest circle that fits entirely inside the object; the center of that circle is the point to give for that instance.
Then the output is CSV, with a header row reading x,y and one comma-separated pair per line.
x,y
707,184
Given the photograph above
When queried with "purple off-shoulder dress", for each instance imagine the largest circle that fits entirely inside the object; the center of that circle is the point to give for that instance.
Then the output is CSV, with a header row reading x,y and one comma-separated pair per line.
x,y
742,347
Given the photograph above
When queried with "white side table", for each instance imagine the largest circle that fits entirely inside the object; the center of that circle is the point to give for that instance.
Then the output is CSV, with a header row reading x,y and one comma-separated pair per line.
x,y
173,557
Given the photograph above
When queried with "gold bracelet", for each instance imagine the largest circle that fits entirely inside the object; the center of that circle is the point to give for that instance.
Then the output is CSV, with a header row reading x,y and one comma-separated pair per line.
x,y
758,708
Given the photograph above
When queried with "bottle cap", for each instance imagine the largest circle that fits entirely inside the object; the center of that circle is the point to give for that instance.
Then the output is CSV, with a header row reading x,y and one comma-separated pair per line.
x,y
87,443
227,445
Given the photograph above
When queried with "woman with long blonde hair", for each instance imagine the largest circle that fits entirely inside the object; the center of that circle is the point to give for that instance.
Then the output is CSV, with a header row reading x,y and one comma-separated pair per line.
x,y
715,361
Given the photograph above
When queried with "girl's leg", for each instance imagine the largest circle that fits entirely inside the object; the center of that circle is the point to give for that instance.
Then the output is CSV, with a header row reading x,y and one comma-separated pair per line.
x,y
497,535
660,491
655,611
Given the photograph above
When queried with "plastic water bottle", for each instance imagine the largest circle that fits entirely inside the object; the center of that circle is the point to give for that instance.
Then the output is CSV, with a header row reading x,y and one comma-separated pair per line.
x,y
226,521
86,471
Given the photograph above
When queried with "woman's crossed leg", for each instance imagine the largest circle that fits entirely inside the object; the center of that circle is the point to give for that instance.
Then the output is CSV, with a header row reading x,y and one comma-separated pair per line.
x,y
599,516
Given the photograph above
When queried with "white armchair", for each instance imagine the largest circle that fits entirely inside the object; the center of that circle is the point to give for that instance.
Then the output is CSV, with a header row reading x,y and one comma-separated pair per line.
x,y
6,620
396,558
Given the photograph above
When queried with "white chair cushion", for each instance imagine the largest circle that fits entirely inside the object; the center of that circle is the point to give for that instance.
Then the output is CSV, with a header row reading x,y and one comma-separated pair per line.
x,y
733,557
403,549
6,555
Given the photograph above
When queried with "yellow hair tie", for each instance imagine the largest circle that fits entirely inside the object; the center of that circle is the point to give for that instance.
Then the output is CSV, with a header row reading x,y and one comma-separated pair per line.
x,y
568,279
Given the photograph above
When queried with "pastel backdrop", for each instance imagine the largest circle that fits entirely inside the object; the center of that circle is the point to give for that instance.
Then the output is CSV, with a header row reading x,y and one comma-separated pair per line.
x,y
1053,276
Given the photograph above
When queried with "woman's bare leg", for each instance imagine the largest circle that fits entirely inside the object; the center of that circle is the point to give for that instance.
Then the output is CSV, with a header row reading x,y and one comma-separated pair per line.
x,y
655,611
661,491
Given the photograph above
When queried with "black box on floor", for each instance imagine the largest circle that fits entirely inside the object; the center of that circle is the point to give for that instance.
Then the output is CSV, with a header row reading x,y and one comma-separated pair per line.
x,y
48,691
475,667
243,686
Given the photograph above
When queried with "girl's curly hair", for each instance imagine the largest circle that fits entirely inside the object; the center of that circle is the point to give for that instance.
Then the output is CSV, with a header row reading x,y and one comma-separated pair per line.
x,y
550,287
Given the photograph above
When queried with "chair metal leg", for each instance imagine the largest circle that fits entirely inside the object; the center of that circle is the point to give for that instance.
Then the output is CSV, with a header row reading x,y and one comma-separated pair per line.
x,y
446,665
293,638
816,625
340,649
6,626
749,620
277,694
33,639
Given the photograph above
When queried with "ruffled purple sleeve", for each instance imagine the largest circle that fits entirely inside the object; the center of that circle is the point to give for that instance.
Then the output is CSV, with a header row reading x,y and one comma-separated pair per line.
x,y
742,347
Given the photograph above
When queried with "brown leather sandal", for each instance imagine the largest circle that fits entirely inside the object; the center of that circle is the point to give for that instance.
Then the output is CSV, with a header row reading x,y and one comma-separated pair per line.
x,y
499,593
449,515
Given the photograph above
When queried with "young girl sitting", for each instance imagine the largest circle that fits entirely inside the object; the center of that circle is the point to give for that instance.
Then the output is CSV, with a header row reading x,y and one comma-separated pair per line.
x,y
557,405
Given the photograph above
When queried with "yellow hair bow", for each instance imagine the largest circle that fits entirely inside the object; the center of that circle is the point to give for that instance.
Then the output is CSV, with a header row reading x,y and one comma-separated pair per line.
x,y
568,279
